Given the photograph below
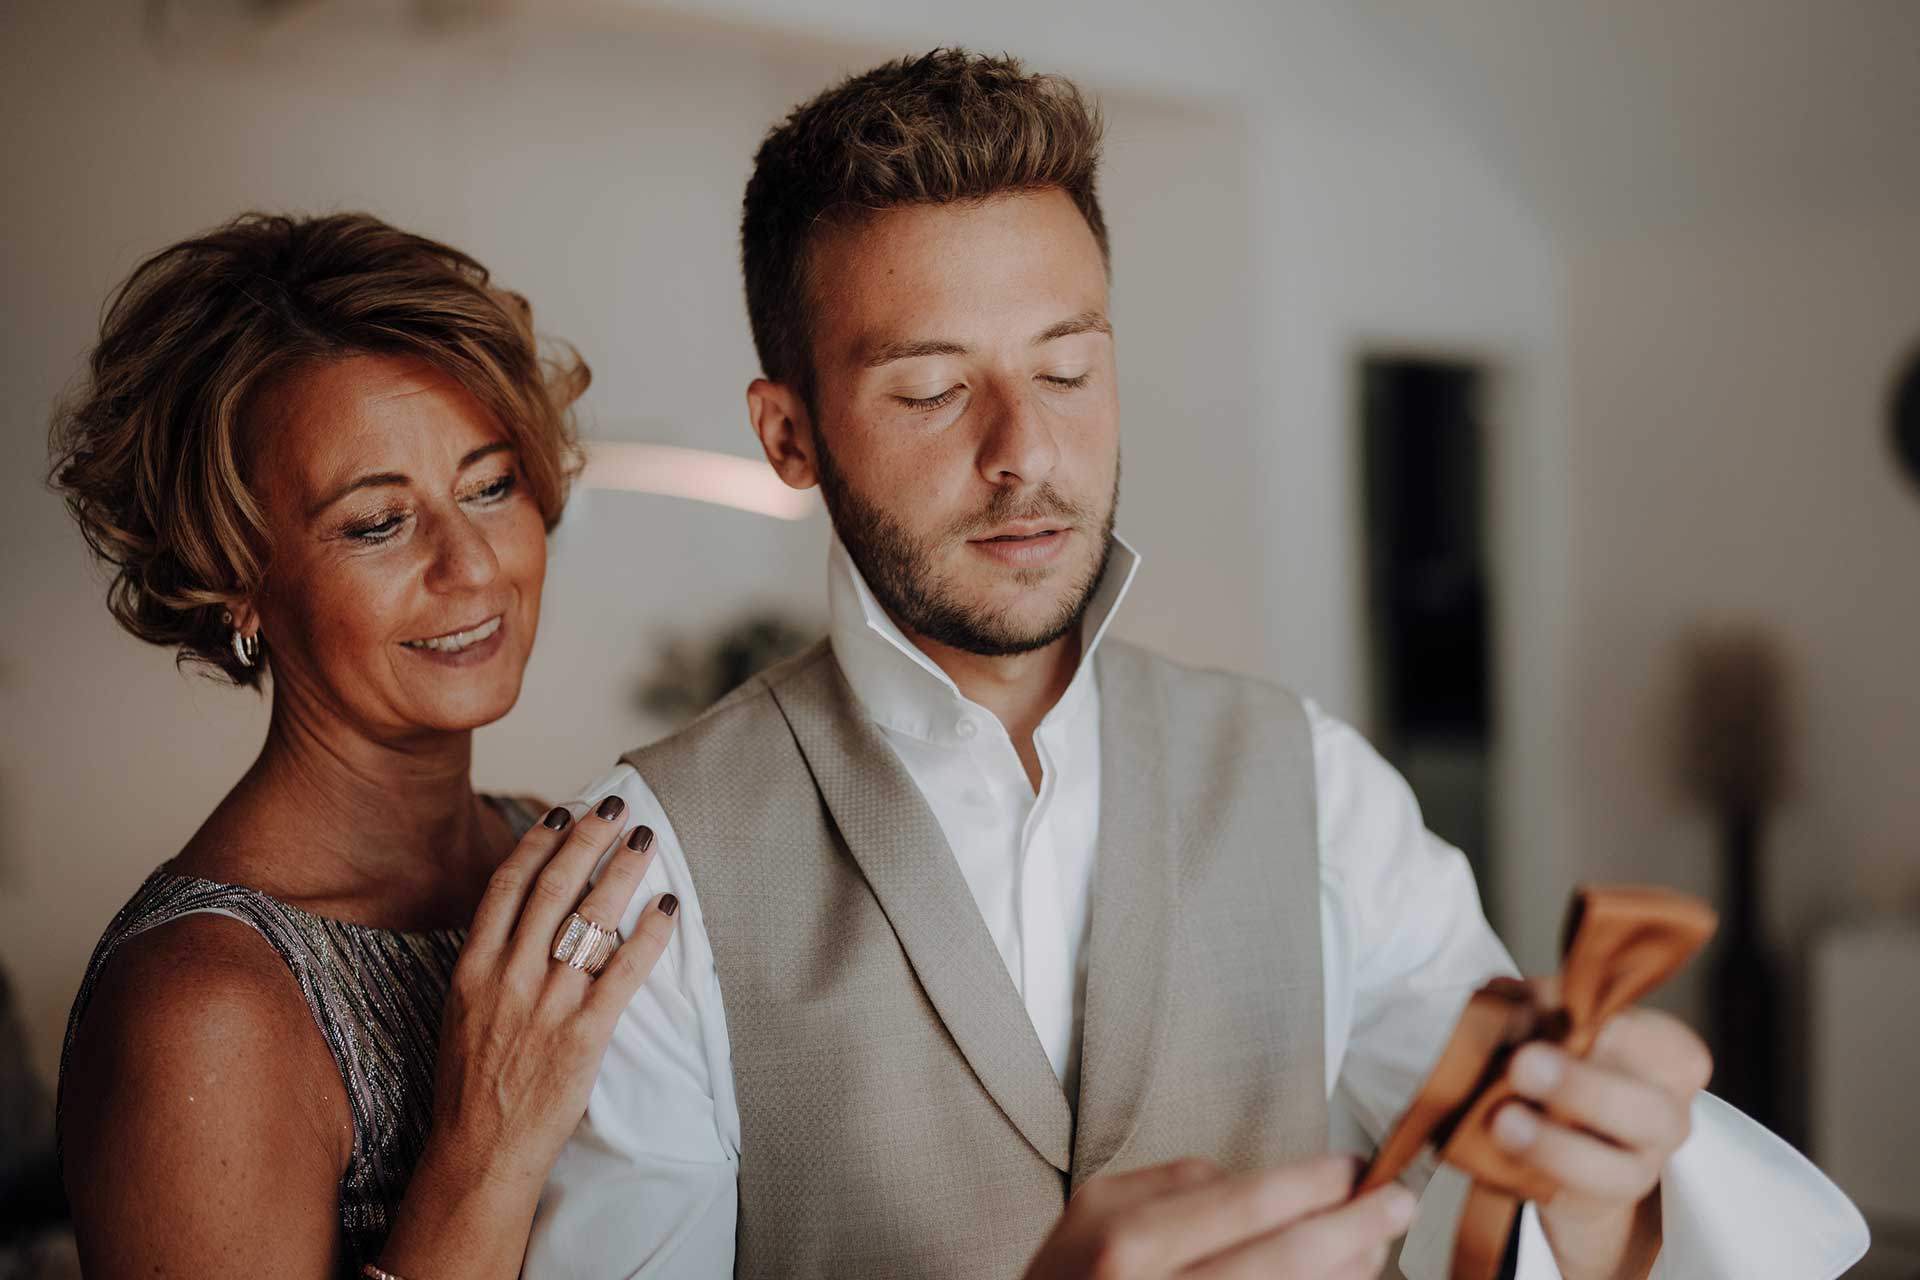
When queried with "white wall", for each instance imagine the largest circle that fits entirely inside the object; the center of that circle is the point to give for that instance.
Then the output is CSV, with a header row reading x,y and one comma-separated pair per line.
x,y
1730,387
1397,240
595,160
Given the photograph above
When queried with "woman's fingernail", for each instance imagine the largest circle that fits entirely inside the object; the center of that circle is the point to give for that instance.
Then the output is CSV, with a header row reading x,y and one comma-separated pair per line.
x,y
556,818
641,840
1515,1128
1536,1070
668,904
610,808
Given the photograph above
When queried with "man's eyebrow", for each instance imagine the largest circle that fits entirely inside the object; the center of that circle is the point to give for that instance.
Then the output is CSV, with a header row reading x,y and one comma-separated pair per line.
x,y
393,479
912,348
1085,322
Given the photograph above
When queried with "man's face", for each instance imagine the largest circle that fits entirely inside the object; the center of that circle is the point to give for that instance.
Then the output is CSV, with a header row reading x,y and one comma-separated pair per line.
x,y
966,427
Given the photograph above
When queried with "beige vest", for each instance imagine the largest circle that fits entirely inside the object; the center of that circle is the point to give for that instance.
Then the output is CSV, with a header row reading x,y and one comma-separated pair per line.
x,y
899,1117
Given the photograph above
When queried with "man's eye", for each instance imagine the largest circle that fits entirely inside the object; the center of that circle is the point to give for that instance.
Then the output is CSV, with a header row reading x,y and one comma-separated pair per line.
x,y
931,402
1064,383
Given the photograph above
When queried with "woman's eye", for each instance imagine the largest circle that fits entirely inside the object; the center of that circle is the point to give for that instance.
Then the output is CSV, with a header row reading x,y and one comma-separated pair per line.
x,y
378,532
931,402
1065,383
494,491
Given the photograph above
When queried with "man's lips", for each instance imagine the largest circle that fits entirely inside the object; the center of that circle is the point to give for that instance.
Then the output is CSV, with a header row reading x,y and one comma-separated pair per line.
x,y
1030,546
1021,531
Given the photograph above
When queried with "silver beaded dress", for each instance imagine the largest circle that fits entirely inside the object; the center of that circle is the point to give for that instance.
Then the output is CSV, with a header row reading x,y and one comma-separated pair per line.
x,y
375,994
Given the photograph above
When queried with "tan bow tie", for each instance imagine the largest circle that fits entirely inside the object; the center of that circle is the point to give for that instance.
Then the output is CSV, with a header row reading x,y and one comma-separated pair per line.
x,y
1620,943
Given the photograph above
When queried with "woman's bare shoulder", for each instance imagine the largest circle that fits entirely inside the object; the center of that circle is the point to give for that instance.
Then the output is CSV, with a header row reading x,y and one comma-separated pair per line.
x,y
204,1126
196,1024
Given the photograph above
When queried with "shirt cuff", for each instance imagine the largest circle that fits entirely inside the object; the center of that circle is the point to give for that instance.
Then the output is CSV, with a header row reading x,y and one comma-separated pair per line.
x,y
1735,1202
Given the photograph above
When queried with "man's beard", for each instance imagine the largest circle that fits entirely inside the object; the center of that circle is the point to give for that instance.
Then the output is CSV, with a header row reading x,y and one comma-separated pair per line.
x,y
899,569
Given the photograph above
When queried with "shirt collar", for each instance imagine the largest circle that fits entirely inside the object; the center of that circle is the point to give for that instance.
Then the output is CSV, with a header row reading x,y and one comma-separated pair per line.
x,y
903,689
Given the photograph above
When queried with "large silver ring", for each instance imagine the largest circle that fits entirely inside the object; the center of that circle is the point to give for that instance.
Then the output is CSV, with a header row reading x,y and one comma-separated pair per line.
x,y
582,944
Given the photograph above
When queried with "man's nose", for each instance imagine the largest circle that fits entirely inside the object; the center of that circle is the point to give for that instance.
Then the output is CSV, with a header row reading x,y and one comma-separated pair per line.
x,y
1019,448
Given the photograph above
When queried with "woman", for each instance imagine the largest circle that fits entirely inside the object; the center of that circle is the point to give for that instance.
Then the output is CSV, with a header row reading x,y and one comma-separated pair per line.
x,y
332,450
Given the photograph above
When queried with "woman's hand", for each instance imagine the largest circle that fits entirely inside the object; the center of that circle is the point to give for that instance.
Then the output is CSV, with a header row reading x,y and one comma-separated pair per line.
x,y
521,1041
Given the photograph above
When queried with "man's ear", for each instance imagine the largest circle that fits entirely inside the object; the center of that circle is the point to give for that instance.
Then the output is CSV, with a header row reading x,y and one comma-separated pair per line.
x,y
785,428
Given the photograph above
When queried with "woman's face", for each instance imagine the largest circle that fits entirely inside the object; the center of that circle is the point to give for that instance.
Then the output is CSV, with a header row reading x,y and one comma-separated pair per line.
x,y
408,557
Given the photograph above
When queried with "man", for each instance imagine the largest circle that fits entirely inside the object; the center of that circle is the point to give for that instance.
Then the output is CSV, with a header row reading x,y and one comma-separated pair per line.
x,y
979,904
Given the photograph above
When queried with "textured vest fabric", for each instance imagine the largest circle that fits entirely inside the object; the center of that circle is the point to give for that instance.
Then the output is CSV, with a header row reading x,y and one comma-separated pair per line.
x,y
898,1114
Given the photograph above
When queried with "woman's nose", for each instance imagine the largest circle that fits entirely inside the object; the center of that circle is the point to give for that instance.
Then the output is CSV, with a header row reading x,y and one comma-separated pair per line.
x,y
463,558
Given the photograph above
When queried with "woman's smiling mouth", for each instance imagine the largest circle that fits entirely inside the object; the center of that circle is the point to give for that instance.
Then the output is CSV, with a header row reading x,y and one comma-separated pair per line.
x,y
457,641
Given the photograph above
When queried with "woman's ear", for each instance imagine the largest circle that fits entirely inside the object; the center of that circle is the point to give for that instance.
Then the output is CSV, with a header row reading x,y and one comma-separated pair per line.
x,y
785,428
242,616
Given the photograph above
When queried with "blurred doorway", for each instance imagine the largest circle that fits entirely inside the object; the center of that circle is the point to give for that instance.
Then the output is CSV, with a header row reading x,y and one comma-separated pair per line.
x,y
1428,590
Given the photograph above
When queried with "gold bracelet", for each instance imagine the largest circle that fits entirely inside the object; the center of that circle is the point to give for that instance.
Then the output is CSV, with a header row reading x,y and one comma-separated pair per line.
x,y
372,1272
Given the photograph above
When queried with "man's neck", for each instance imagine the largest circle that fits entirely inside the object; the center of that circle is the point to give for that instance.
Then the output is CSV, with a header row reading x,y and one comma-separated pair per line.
x,y
1018,688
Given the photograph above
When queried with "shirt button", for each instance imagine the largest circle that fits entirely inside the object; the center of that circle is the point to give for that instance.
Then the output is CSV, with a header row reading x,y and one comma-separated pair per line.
x,y
967,727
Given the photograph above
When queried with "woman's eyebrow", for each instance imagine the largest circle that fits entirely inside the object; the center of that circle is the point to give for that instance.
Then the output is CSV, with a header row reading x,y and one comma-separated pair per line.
x,y
485,450
377,480
393,479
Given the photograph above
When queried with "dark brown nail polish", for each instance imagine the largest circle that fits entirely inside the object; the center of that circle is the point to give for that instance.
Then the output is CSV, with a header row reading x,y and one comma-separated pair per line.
x,y
610,808
556,818
641,840
668,904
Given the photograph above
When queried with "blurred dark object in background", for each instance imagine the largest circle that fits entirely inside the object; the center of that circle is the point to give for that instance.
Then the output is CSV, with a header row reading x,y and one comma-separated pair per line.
x,y
34,1237
1429,592
1906,417
1733,763
694,672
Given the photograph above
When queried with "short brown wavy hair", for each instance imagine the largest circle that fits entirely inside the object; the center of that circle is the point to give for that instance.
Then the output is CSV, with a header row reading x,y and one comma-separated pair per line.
x,y
151,453
946,126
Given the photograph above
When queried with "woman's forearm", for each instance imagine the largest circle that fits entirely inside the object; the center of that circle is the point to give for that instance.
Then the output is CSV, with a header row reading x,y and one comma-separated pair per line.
x,y
461,1218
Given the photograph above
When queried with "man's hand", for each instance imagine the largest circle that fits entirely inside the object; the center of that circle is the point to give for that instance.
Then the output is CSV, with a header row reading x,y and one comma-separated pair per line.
x,y
1604,1129
1190,1220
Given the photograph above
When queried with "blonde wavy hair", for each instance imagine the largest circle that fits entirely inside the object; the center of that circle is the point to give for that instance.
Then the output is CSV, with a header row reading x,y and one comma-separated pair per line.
x,y
151,453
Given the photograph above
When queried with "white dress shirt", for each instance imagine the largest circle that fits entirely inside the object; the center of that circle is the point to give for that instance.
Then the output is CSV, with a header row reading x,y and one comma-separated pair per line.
x,y
648,1184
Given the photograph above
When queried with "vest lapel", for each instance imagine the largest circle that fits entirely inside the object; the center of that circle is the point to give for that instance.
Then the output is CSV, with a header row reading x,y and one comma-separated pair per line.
x,y
897,842
1133,905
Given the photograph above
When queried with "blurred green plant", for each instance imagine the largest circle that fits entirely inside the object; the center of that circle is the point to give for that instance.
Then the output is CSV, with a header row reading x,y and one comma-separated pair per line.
x,y
695,671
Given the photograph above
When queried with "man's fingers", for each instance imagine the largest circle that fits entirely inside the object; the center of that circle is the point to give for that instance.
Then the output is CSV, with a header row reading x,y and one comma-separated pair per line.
x,y
1578,1161
506,892
1656,1047
1164,1235
1121,1192
1349,1239
614,989
1621,1108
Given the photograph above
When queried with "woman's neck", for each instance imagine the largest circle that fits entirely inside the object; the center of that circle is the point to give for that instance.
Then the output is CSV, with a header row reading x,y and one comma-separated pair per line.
x,y
329,818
